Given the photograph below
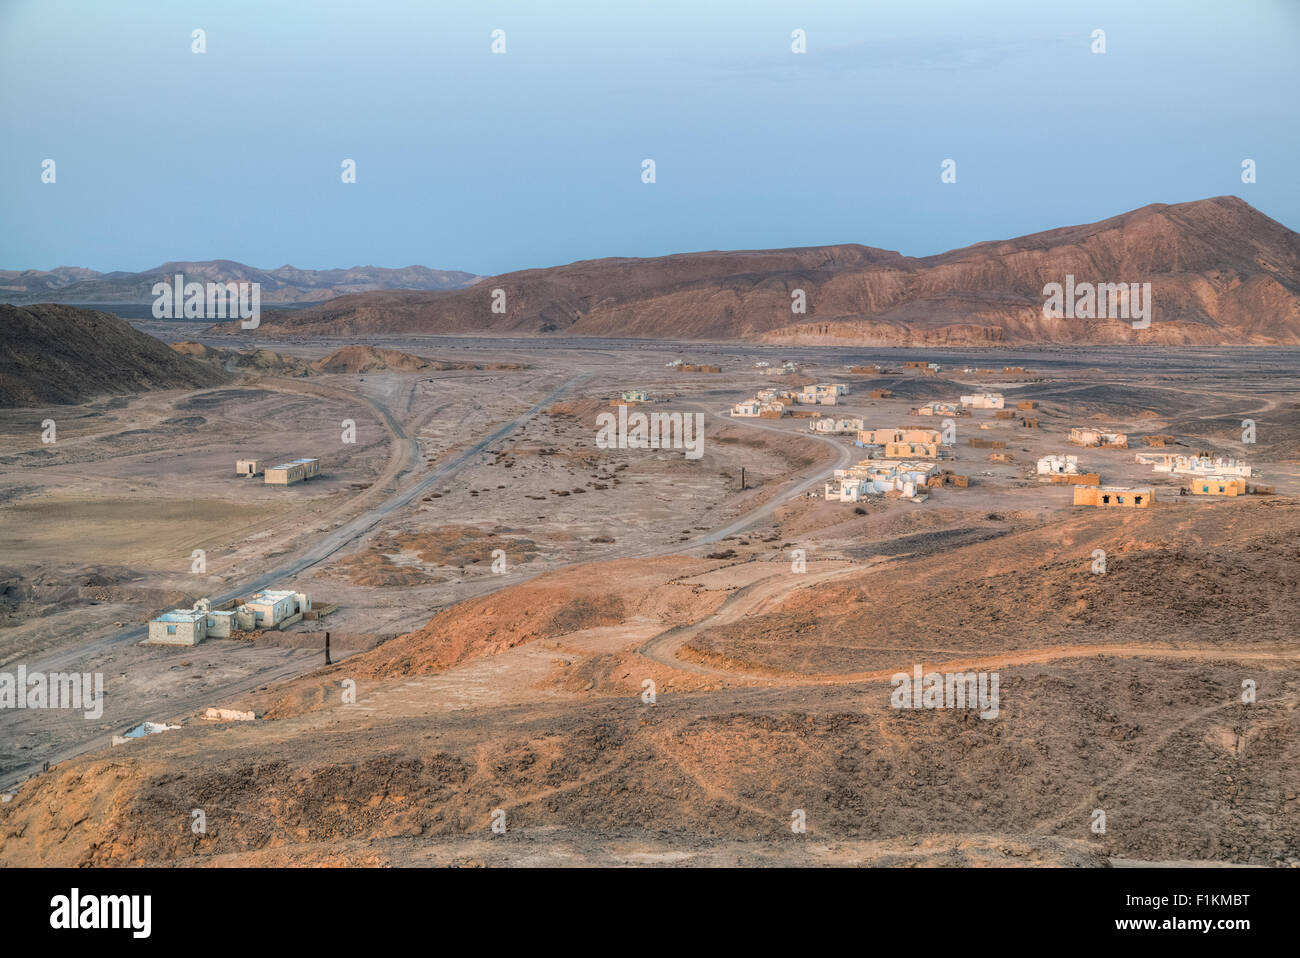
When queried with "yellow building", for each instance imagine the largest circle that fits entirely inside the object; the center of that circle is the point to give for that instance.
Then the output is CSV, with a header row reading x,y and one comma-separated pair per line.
x,y
911,450
286,474
1219,486
879,437
1106,497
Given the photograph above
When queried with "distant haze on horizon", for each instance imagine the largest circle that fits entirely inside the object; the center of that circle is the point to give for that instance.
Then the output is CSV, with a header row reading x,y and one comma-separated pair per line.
x,y
490,163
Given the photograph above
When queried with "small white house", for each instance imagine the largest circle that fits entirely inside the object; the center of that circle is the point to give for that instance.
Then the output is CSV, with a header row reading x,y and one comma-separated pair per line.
x,y
1205,466
191,626
179,627
984,401
828,425
1058,466
272,608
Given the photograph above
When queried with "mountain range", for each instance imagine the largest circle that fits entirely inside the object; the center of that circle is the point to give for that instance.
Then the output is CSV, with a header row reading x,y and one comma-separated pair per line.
x,y
288,284
1220,271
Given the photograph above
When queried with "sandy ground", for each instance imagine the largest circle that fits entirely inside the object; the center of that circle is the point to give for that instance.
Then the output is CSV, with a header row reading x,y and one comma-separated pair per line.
x,y
624,567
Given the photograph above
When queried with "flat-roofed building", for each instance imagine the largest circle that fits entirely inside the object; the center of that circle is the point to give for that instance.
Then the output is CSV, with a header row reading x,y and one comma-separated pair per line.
x,y
903,443
191,626
825,394
179,627
881,435
296,470
912,450
826,424
878,477
1084,436
1206,466
941,409
272,608
1058,465
1108,497
1219,486
220,623
249,467
984,401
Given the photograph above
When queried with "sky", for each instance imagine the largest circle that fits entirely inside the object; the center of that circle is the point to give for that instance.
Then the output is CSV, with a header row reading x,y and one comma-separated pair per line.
x,y
490,162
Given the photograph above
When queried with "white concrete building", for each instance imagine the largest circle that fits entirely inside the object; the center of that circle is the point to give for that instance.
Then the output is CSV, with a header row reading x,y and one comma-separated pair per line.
x,y
877,477
1057,465
179,627
272,608
941,409
1086,436
265,610
190,626
1204,466
823,394
984,401
828,425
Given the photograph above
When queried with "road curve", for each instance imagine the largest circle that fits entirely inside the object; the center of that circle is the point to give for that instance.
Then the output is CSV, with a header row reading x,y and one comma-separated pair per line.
x,y
344,535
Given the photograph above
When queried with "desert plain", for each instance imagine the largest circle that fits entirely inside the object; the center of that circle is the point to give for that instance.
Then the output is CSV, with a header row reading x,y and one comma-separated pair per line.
x,y
547,652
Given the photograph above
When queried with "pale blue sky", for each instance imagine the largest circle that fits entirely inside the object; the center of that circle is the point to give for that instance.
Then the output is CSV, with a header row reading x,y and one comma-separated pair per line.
x,y
489,163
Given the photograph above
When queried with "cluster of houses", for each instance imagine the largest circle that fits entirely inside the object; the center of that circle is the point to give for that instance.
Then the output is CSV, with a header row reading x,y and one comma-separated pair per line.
x,y
785,369
267,609
1194,465
880,477
773,403
963,407
921,366
896,443
1209,475
285,474
900,462
1088,490
682,366
933,369
942,409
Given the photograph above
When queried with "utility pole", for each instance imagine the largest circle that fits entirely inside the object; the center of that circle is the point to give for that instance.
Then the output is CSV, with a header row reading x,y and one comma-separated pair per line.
x,y
742,478
327,649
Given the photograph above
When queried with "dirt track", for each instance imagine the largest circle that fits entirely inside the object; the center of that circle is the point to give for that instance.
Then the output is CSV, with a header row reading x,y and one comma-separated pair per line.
x,y
525,690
